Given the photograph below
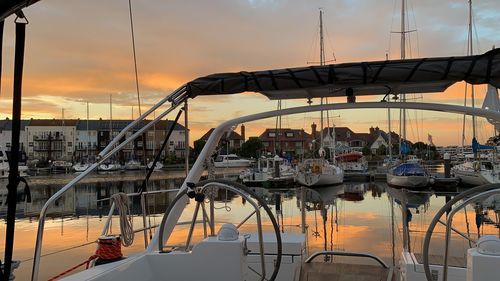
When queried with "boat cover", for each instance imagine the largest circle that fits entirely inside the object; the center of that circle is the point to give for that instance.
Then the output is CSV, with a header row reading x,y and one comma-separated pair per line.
x,y
349,157
424,75
409,169
9,7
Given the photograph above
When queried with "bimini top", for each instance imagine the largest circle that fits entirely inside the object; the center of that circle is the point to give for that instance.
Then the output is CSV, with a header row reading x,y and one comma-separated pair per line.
x,y
9,7
425,75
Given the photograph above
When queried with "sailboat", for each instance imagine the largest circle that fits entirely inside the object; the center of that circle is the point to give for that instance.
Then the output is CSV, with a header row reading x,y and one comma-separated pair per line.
x,y
409,175
479,171
111,165
84,164
318,171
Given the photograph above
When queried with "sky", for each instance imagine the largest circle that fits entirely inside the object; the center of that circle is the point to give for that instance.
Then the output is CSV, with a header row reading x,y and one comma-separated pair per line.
x,y
80,51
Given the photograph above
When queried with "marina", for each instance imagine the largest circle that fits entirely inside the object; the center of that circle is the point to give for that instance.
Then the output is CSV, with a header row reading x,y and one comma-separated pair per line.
x,y
348,216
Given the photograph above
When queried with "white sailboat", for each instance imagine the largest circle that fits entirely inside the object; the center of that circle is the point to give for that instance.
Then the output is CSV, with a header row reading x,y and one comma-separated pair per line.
x,y
477,171
269,169
409,175
111,165
318,171
84,164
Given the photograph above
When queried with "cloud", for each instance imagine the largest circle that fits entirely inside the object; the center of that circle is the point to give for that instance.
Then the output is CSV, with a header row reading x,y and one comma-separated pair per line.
x,y
71,59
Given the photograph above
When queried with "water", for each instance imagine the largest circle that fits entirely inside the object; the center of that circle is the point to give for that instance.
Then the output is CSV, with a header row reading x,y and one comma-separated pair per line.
x,y
364,217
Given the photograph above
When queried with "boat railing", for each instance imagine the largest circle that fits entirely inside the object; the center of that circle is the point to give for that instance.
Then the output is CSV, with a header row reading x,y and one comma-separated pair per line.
x,y
346,254
107,223
205,189
468,196
176,98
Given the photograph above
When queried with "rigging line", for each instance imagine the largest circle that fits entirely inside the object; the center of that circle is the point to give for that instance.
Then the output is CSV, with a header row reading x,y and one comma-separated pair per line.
x,y
1,49
135,56
392,25
416,27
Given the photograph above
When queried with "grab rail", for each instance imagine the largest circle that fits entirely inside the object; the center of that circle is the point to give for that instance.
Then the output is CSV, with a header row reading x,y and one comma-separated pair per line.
x,y
449,221
106,153
347,254
479,190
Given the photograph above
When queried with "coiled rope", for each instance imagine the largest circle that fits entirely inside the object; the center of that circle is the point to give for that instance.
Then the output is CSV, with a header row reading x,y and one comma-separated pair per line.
x,y
122,204
108,249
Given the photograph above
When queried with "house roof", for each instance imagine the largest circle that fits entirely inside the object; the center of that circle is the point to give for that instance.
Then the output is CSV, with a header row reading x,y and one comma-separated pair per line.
x,y
6,124
298,134
232,135
52,122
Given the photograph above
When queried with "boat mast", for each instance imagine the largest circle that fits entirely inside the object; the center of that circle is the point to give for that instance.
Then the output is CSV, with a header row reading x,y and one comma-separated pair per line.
x,y
110,117
321,62
403,56
88,137
389,122
470,52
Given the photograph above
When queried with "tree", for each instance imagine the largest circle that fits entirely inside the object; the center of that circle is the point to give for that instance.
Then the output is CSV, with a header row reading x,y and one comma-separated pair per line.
x,y
251,148
198,146
366,150
382,150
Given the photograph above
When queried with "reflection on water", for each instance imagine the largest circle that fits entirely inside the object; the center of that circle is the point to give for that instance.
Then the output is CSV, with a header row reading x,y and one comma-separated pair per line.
x,y
365,217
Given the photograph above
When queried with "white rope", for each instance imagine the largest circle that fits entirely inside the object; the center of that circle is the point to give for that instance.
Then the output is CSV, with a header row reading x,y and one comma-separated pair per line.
x,y
126,228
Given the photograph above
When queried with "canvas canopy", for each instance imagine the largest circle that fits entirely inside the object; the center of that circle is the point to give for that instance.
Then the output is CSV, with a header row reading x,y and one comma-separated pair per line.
x,y
425,75
9,7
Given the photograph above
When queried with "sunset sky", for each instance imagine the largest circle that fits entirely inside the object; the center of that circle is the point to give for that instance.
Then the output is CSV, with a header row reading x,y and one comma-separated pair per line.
x,y
81,50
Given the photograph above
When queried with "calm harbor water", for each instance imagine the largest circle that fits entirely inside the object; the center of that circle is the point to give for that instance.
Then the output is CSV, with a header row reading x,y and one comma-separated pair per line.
x,y
353,216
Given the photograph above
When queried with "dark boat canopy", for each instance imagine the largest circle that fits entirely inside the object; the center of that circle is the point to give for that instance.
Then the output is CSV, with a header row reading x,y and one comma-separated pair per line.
x,y
425,75
9,7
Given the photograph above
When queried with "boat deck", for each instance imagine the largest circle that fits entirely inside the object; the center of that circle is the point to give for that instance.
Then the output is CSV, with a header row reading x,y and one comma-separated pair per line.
x,y
438,260
317,271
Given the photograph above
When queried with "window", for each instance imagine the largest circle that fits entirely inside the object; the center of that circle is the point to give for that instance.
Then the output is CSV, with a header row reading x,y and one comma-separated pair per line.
x,y
30,144
7,144
171,143
70,144
289,134
271,134
139,144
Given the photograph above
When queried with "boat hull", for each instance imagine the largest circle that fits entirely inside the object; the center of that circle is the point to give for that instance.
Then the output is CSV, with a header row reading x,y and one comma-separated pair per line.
x,y
311,179
407,181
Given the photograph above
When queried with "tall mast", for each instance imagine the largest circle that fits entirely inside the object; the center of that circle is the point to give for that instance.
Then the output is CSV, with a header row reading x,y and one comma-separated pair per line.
x,y
110,118
88,136
470,53
321,62
403,56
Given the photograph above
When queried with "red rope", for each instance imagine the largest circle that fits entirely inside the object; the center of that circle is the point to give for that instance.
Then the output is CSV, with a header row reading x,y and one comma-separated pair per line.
x,y
108,248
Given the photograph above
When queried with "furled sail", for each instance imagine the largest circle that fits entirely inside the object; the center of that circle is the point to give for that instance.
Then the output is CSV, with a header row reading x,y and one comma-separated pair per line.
x,y
491,102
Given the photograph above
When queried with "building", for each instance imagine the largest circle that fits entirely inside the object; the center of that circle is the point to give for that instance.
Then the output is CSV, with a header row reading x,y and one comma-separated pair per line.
x,y
51,139
6,134
230,142
348,140
86,139
286,141
176,146
75,140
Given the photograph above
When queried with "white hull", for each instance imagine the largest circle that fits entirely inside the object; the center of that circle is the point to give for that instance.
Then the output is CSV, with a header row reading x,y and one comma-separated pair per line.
x,y
476,173
133,165
80,167
157,167
407,181
109,167
4,171
312,179
232,164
